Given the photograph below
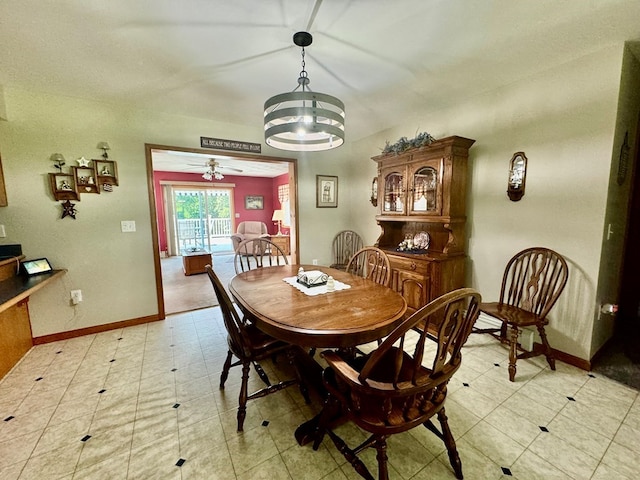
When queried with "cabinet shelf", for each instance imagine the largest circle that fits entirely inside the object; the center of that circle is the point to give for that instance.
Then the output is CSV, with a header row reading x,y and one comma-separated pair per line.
x,y
85,179
106,172
63,186
424,190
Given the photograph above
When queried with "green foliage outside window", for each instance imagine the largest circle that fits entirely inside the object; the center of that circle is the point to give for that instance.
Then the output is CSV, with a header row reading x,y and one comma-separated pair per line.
x,y
191,205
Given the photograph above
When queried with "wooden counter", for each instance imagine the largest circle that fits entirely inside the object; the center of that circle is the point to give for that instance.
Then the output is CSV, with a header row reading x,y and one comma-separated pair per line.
x,y
15,326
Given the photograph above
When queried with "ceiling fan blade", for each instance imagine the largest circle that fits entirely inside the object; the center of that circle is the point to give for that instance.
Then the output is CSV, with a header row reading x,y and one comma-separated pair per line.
x,y
250,58
373,54
222,167
200,24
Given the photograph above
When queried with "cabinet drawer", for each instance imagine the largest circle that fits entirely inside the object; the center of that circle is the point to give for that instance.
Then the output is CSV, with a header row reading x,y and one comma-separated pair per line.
x,y
281,241
418,266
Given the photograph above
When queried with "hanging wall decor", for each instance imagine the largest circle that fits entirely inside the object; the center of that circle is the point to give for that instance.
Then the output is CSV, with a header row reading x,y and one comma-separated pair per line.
x,y
68,209
89,176
623,159
517,176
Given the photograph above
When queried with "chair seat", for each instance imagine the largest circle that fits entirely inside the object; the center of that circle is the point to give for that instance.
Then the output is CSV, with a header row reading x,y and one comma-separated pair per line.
x,y
512,315
260,344
397,416
338,266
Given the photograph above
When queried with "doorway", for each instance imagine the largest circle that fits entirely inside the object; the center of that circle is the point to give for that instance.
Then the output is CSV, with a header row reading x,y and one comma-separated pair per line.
x,y
245,164
620,358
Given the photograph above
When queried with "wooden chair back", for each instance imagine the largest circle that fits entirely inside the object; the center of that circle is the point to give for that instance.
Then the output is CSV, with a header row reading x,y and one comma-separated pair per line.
x,y
403,383
233,323
404,373
258,253
371,263
533,280
345,244
401,386
250,346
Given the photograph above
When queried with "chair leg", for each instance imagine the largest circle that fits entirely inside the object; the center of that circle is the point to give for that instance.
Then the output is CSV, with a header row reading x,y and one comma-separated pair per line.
x,y
350,456
513,352
547,348
225,369
261,373
302,385
503,332
450,443
242,400
381,448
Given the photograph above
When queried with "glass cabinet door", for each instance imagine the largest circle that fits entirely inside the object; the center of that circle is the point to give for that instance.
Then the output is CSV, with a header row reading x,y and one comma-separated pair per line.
x,y
424,198
394,201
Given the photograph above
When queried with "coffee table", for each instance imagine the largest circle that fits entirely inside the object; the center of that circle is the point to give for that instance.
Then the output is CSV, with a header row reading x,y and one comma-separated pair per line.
x,y
193,262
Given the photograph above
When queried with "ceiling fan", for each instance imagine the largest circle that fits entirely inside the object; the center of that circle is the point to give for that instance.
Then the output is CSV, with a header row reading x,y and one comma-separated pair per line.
x,y
213,169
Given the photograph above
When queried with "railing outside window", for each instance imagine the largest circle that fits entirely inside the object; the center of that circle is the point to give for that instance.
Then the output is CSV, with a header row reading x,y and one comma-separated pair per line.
x,y
202,233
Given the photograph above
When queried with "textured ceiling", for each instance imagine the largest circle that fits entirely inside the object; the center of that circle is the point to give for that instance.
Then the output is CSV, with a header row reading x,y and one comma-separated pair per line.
x,y
223,58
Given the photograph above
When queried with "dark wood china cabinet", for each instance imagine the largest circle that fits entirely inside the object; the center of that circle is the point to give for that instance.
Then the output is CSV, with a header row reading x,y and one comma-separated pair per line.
x,y
422,204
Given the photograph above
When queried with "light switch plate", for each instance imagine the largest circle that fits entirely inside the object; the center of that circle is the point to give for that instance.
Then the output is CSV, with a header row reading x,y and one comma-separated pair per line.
x,y
128,226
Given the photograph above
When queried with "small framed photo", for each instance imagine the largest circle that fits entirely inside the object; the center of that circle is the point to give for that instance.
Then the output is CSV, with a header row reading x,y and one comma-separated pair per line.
x,y
254,202
326,191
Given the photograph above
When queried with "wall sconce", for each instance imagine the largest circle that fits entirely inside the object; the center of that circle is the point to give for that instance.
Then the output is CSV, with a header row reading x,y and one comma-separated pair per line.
x,y
517,176
59,159
104,146
374,192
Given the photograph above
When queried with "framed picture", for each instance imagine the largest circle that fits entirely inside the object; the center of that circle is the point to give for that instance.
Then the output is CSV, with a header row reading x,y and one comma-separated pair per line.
x,y
254,202
326,191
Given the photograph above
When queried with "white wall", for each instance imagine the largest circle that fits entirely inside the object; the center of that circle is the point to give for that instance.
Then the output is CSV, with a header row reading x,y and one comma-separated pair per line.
x,y
564,121
115,270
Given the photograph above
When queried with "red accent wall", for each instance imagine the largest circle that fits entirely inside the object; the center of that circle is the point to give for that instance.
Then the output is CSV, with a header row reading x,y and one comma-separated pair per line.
x,y
243,186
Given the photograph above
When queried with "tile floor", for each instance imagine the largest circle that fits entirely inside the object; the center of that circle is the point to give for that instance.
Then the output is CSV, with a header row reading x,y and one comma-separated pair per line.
x,y
143,403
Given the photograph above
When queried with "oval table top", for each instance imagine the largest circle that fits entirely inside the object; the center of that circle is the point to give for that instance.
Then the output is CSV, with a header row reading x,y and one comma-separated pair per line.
x,y
344,318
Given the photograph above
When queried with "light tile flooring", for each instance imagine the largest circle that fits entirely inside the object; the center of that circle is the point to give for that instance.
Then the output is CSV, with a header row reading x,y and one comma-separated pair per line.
x,y
143,403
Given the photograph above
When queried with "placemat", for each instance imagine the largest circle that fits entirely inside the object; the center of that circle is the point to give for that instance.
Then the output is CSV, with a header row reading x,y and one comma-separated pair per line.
x,y
311,291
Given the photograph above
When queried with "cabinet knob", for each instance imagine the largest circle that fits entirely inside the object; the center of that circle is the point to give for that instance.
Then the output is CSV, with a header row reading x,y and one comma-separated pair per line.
x,y
413,266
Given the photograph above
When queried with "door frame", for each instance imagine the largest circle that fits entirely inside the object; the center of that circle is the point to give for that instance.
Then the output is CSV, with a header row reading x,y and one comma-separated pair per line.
x,y
293,202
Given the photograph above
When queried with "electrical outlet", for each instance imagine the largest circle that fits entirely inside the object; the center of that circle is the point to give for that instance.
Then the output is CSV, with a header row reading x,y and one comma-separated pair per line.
x,y
76,296
314,261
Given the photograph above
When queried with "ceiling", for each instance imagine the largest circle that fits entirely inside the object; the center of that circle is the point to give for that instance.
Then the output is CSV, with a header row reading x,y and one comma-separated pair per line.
x,y
222,59
189,162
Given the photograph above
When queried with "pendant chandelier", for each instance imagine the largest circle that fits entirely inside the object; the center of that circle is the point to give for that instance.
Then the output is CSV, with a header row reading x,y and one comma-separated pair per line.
x,y
303,120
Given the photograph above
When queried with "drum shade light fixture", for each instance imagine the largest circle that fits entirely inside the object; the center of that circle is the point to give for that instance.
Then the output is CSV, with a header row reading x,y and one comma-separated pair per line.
x,y
303,120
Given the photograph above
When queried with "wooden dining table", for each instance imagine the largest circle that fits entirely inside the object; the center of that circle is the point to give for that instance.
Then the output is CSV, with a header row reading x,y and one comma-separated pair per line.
x,y
345,318
340,319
